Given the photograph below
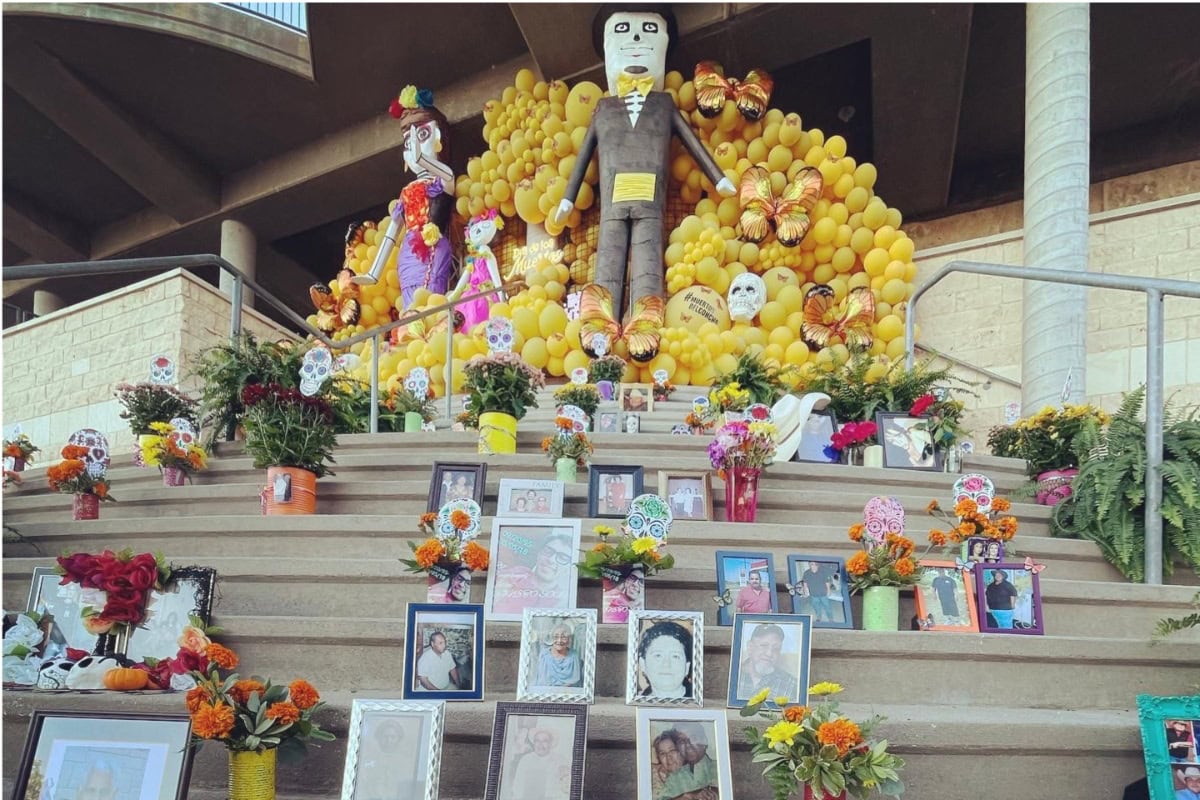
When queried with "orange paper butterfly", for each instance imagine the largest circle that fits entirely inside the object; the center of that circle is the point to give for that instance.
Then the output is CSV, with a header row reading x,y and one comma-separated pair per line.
x,y
641,329
824,318
750,96
787,214
338,312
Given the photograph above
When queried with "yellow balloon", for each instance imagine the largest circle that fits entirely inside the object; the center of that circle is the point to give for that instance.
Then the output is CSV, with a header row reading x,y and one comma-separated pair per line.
x,y
773,315
574,360
581,102
525,321
894,291
552,320
777,279
534,352
889,328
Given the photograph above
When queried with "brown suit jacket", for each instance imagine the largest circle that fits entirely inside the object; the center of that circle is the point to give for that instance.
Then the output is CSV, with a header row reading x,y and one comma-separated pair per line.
x,y
645,147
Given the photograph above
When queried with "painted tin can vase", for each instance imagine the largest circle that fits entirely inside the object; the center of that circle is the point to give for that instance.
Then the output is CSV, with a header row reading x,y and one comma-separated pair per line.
x,y
18,465
252,775
741,494
881,608
412,422
290,490
566,470
173,476
605,388
85,506
497,433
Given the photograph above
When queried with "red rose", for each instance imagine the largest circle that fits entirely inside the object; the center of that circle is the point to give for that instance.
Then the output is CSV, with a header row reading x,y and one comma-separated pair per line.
x,y
186,661
143,572
75,567
921,404
128,614
160,673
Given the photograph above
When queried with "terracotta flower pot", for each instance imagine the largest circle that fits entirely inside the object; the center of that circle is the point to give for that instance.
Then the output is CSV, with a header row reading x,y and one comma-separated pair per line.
x,y
290,490
85,506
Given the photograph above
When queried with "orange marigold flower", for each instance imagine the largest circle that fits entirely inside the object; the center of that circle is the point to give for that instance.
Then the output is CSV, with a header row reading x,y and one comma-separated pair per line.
x,y
241,690
460,519
856,532
475,557
428,518
429,553
564,423
932,507
74,451
967,528
101,489
303,694
905,567
546,442
599,548
212,720
991,531
1007,525
956,536
283,713
795,713
841,733
1001,504
858,564
222,656
937,538
964,507
194,697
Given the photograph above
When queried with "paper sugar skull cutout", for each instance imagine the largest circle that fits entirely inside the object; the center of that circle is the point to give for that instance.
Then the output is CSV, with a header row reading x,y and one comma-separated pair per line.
x,y
598,344
649,515
499,334
660,377
681,430
98,454
700,406
758,412
315,369
1012,413
635,46
417,382
747,296
966,448
184,433
445,528
881,516
979,488
579,376
346,362
577,416
162,371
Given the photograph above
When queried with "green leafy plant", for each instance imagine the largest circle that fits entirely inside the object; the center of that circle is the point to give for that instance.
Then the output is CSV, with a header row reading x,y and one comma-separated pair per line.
x,y
146,403
1108,496
626,550
763,382
1170,625
286,429
606,368
228,368
585,396
502,382
404,401
1046,440
566,443
21,446
863,386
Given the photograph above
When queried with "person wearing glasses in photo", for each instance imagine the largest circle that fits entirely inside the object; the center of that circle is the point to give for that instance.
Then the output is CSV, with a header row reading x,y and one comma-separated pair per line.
x,y
543,585
1001,599
760,668
558,663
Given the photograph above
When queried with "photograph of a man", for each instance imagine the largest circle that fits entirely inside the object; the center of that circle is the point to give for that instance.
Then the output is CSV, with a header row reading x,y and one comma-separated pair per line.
x,y
390,758
437,671
765,663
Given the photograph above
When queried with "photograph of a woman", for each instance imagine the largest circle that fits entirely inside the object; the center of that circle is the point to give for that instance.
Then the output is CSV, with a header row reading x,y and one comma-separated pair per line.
x,y
533,567
558,656
666,658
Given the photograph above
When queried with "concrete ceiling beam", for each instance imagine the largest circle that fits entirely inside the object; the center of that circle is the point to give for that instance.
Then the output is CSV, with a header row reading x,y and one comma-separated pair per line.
x,y
152,165
39,233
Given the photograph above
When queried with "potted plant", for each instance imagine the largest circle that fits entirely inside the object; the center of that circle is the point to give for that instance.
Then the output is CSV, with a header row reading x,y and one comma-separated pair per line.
x,y
739,451
884,563
604,372
1107,503
819,753
663,391
20,449
449,549
176,454
1045,442
414,410
252,717
145,403
567,448
292,436
77,475
763,383
501,387
585,396
622,563
228,368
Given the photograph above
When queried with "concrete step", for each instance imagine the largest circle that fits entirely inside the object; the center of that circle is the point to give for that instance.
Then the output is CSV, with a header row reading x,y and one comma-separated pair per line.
x,y
1064,753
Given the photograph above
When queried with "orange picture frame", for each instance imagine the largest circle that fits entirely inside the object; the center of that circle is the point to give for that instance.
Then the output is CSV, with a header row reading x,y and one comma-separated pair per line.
x,y
942,607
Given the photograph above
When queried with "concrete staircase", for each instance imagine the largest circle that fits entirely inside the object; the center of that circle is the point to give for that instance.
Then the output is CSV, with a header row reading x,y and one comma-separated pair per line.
x,y
977,716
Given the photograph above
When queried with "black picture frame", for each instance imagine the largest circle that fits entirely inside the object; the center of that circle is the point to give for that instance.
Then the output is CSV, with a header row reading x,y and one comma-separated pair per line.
x,y
439,486
812,449
156,636
596,482
500,730
895,434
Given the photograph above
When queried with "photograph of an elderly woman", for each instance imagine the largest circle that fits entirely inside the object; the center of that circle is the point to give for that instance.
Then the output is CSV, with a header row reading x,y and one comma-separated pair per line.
x,y
558,656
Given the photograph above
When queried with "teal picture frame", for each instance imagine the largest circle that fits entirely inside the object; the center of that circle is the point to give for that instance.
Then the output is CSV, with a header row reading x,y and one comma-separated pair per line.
x,y
1154,713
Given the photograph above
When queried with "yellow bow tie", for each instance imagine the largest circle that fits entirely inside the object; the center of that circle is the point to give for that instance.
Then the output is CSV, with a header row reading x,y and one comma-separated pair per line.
x,y
627,83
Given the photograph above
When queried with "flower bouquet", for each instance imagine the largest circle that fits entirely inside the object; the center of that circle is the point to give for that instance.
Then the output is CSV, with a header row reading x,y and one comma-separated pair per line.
x,y
820,751
586,396
500,387
567,448
698,424
729,397
739,451
413,409
606,369
172,452
969,522
884,564
449,553
850,441
1045,439
116,590
944,423
77,476
20,449
622,563
663,391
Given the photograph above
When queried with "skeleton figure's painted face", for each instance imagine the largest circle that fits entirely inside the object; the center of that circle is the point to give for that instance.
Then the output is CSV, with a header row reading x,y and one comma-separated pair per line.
x,y
421,140
635,43
747,296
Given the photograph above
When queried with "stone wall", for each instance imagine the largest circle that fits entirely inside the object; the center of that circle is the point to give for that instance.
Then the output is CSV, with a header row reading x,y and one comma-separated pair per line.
x,y
60,369
1145,224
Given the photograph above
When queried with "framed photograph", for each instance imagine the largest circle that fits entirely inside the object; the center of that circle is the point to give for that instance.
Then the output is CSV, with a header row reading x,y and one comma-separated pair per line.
x,y
982,550
611,489
393,750
558,656
636,397
818,587
47,596
818,432
689,494
769,651
608,422
532,566
683,753
456,482
527,498
92,754
745,585
632,423
1170,742
906,444
443,652
537,752
666,658
1009,598
945,598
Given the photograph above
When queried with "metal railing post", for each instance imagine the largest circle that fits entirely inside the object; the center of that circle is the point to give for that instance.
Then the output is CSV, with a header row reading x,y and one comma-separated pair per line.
x,y
235,309
1154,436
375,384
450,366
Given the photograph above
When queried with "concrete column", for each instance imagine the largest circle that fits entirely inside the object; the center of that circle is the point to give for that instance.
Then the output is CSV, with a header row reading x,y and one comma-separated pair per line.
x,y
45,301
239,247
1057,135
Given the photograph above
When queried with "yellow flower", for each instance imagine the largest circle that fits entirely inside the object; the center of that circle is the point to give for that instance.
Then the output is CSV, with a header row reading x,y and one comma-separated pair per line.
x,y
782,732
602,530
781,700
759,698
431,234
644,544
763,428
824,687
162,427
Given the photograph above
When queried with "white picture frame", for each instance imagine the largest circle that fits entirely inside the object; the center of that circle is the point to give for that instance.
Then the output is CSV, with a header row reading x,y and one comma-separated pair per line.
x,y
533,565
673,627
380,746
544,677
511,489
707,731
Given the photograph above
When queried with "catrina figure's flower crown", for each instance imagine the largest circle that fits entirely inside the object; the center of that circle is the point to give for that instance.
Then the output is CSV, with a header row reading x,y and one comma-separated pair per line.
x,y
410,97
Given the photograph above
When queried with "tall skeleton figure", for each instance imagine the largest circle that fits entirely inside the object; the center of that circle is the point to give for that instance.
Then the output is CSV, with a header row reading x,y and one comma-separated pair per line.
x,y
632,129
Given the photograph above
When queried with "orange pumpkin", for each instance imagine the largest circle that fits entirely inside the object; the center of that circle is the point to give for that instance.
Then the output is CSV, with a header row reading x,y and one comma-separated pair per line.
x,y
125,679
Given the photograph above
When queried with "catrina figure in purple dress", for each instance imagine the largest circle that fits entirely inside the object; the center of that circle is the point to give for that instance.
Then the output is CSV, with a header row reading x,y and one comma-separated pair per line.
x,y
421,215
480,271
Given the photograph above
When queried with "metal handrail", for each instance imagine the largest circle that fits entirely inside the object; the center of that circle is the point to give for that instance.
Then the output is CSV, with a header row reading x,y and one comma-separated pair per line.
x,y
1155,289
241,281
987,373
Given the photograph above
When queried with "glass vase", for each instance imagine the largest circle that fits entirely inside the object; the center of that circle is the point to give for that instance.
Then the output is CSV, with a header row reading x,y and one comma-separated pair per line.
x,y
252,775
741,494
852,456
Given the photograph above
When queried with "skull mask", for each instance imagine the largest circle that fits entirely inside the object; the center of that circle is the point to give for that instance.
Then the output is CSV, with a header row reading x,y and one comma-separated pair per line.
x,y
162,371
315,370
635,43
747,296
53,674
499,334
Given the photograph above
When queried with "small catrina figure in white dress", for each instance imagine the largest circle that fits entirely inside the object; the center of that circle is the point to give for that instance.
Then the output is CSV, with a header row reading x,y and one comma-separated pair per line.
x,y
480,271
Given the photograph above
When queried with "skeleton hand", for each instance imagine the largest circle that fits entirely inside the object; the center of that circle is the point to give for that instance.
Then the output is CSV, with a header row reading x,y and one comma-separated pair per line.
x,y
565,207
726,188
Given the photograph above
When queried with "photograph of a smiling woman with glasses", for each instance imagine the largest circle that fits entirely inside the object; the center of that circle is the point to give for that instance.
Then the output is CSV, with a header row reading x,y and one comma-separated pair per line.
x,y
533,566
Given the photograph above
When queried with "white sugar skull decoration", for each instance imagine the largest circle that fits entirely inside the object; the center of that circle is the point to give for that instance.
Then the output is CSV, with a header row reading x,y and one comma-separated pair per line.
x,y
577,416
700,406
881,516
162,370
579,376
346,362
184,433
98,454
977,487
315,369
649,515
499,334
747,296
445,528
635,43
417,382
660,377
53,674
599,344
